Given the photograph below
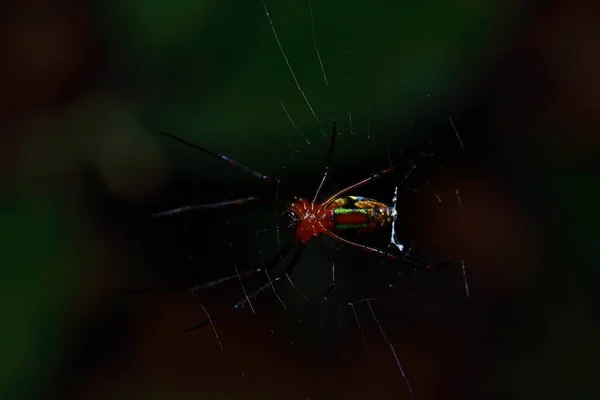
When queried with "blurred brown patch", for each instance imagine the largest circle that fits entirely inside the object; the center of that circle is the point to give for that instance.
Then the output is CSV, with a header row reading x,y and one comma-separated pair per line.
x,y
492,232
44,48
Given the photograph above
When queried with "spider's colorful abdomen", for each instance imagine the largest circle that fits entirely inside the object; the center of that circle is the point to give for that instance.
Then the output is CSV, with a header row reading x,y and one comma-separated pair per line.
x,y
360,213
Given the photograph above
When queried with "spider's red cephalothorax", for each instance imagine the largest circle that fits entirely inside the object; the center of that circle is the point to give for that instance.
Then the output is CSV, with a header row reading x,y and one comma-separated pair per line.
x,y
307,220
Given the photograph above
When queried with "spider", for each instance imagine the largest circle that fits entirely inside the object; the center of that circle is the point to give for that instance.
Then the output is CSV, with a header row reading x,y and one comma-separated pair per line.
x,y
305,220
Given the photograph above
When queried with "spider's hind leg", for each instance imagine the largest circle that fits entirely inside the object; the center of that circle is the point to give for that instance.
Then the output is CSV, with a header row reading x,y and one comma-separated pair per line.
x,y
248,297
442,264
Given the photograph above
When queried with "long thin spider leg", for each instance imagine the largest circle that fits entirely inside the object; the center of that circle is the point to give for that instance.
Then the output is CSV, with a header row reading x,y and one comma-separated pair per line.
x,y
329,158
454,261
156,290
228,160
207,206
238,305
420,264
200,286
238,275
359,184
289,269
271,283
287,272
363,247
392,256
333,283
251,296
373,178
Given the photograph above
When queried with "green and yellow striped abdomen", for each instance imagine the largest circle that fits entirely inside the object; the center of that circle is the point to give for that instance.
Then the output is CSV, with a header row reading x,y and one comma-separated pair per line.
x,y
359,213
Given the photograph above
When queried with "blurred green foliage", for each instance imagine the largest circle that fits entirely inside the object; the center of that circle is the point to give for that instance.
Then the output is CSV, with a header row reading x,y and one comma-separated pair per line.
x,y
39,271
213,72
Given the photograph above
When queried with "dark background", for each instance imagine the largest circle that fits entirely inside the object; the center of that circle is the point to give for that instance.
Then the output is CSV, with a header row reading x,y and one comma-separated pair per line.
x,y
86,86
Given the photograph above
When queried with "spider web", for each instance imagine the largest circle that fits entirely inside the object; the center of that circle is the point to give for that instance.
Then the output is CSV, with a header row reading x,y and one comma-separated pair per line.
x,y
355,332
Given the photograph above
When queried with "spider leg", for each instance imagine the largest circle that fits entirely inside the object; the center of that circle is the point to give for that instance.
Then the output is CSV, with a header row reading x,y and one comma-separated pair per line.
x,y
359,184
228,160
289,269
363,247
239,304
155,290
388,255
374,177
207,206
200,286
329,158
409,261
250,296
333,283
245,274
392,256
419,264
